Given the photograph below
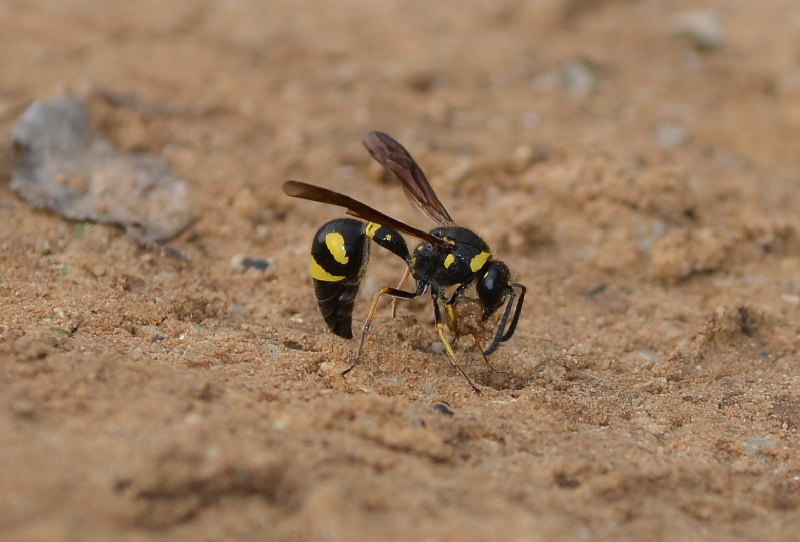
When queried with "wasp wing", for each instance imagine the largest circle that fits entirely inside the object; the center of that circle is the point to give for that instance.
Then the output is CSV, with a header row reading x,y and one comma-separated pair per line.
x,y
398,161
297,189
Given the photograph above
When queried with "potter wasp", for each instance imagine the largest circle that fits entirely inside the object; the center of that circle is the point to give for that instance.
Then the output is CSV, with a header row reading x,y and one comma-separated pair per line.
x,y
449,258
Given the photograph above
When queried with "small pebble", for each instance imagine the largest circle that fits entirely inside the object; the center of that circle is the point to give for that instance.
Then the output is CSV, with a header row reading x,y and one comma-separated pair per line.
x,y
579,78
669,135
23,409
443,408
522,157
700,28
794,299
245,262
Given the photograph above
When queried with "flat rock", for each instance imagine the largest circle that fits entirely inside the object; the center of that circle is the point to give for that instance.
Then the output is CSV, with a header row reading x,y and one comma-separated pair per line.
x,y
59,163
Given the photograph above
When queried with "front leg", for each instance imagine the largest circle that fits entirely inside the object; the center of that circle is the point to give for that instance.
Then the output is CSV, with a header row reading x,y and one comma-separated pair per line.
x,y
437,315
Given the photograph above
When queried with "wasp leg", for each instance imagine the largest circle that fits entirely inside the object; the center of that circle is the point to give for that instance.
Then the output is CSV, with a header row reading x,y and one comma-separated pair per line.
x,y
437,314
463,287
451,316
394,292
400,287
452,321
450,301
486,359
517,312
503,334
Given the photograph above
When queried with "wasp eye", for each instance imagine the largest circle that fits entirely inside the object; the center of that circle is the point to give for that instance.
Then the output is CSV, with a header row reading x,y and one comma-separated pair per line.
x,y
492,287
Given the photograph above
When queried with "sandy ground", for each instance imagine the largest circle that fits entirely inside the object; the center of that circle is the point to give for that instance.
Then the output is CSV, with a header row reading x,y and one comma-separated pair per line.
x,y
634,162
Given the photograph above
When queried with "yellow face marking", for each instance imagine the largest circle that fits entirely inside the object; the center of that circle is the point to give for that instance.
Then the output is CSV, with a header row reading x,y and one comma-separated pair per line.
x,y
318,273
372,229
335,243
479,261
448,260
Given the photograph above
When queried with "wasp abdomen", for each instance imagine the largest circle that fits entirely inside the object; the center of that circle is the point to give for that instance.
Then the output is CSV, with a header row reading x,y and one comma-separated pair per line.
x,y
339,256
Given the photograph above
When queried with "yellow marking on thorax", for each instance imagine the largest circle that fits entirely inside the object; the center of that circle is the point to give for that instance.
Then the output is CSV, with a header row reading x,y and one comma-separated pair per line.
x,y
448,260
477,263
318,273
335,243
372,229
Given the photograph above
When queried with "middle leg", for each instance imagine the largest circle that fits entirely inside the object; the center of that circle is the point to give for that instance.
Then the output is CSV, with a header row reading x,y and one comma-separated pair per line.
x,y
386,290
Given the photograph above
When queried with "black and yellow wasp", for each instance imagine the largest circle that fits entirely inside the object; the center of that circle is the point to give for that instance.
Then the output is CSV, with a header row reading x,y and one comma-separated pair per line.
x,y
448,256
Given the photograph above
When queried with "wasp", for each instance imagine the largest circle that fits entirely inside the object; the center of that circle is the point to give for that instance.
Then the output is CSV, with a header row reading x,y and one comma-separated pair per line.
x,y
448,260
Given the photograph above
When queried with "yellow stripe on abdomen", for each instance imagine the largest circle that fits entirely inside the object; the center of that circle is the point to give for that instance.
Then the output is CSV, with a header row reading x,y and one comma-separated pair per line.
x,y
335,243
318,273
